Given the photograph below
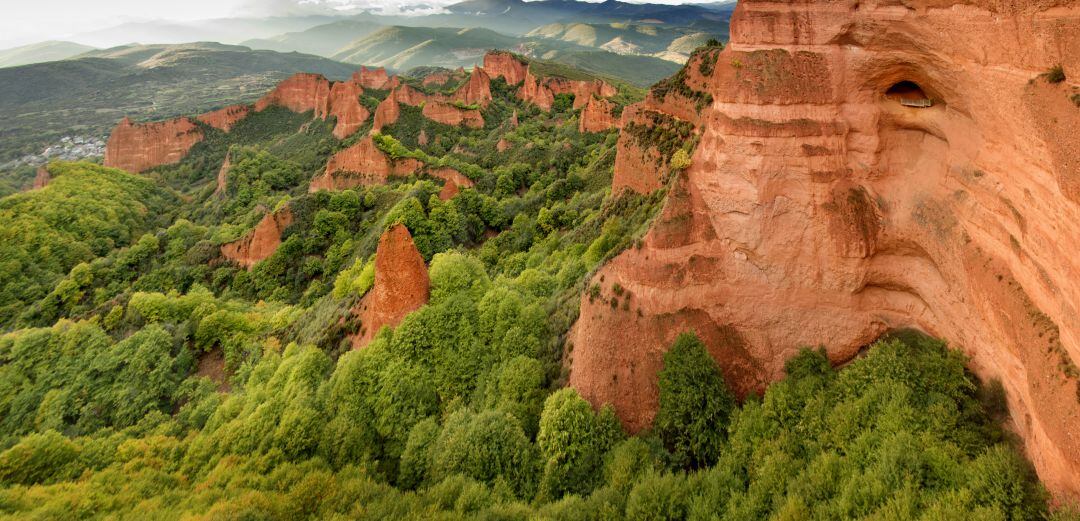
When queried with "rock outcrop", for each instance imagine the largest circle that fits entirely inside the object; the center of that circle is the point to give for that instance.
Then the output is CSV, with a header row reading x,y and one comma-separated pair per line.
x,y
260,242
362,164
448,114
536,92
136,147
453,182
817,211
223,175
223,119
305,91
501,64
476,91
582,90
387,112
373,78
41,178
597,116
401,285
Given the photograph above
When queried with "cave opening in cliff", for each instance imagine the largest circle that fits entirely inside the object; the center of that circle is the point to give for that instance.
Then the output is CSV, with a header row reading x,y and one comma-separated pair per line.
x,y
908,94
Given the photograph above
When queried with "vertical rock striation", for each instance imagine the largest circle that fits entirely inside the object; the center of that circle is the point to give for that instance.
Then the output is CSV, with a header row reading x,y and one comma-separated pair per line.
x,y
136,147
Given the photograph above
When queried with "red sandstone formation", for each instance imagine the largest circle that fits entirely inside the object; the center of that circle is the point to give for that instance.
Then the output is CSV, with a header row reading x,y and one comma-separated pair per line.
x,y
501,64
373,78
42,178
422,139
409,96
140,146
387,113
223,176
436,78
503,145
223,119
514,120
401,285
819,212
260,242
304,91
453,182
475,91
362,164
448,114
536,92
582,90
597,116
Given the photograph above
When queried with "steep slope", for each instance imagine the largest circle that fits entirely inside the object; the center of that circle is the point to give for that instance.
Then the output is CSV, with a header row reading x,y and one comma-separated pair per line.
x,y
820,210
403,47
41,52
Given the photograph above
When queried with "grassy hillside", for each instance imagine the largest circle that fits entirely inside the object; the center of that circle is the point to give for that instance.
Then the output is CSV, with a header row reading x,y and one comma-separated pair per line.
x,y
41,52
39,103
85,212
403,47
670,43
323,40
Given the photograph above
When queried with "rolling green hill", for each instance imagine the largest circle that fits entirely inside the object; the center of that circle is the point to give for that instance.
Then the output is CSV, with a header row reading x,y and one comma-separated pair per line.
x,y
41,52
401,47
670,43
323,40
39,103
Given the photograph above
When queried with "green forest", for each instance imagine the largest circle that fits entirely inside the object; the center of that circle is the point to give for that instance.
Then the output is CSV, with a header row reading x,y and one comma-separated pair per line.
x,y
143,376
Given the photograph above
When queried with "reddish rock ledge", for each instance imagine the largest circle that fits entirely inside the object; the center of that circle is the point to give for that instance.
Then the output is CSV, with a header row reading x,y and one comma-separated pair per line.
x,y
136,147
260,242
401,285
305,91
597,116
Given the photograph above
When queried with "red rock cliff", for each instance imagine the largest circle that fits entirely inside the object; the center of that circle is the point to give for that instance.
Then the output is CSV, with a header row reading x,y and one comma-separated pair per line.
x,y
818,211
224,118
448,114
501,64
359,165
597,116
401,285
140,146
305,91
373,78
261,242
475,91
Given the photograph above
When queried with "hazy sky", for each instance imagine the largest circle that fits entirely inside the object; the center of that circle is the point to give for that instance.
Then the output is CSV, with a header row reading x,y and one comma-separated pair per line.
x,y
26,21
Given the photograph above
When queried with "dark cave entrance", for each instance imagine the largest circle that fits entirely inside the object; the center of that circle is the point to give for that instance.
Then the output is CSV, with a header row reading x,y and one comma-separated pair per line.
x,y
909,94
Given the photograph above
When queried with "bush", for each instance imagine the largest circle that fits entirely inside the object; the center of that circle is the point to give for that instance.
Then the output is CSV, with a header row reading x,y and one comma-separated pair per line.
x,y
694,404
1056,74
572,441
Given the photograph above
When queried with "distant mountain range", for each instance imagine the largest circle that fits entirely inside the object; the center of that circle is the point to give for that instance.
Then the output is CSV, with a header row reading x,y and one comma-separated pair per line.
x,y
41,52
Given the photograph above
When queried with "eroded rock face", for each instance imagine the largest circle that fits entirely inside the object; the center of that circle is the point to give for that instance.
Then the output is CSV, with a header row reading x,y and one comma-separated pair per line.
x,y
223,119
261,242
373,78
597,116
401,285
582,90
362,164
536,92
136,147
819,212
448,114
41,178
305,91
501,64
453,182
475,91
387,112
223,175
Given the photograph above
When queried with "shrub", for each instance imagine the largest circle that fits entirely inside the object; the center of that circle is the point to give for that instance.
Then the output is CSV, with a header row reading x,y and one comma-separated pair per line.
x,y
573,440
694,404
1056,74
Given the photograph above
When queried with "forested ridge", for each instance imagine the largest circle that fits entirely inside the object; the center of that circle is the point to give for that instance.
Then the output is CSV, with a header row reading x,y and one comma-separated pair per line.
x,y
145,376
